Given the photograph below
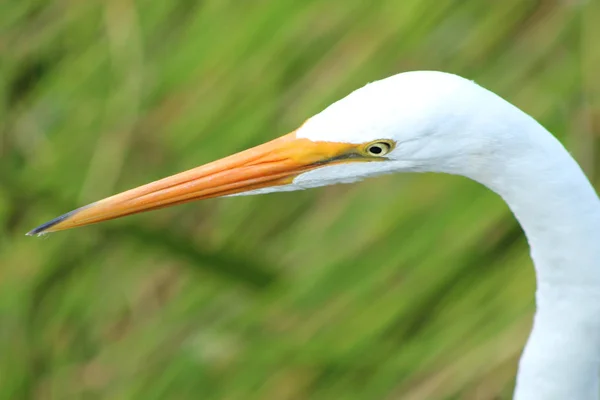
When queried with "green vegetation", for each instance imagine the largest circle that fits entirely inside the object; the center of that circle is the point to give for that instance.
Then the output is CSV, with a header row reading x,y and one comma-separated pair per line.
x,y
403,287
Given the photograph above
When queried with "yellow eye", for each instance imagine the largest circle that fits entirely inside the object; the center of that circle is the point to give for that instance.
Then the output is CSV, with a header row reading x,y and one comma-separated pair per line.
x,y
378,149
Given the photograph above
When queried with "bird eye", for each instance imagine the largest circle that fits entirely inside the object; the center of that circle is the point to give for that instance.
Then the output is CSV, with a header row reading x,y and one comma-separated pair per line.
x,y
378,149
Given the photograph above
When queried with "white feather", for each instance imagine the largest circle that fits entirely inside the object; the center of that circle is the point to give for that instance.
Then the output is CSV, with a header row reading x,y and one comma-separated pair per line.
x,y
444,123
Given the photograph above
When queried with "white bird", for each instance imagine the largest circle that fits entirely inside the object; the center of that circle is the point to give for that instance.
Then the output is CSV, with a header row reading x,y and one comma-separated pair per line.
x,y
437,122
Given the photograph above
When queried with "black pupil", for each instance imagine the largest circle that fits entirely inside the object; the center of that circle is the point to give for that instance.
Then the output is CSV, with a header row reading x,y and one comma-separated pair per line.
x,y
376,149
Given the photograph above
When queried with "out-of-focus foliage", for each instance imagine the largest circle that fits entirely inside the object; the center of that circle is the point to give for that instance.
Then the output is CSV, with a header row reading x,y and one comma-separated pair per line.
x,y
402,287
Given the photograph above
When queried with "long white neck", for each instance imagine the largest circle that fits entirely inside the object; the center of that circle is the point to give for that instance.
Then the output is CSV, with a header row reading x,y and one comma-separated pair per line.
x,y
560,213
445,123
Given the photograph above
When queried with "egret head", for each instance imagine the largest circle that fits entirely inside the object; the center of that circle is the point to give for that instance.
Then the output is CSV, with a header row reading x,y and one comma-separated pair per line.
x,y
417,113
402,123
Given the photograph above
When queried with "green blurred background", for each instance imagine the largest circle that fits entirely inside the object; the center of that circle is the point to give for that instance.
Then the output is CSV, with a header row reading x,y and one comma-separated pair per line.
x,y
402,287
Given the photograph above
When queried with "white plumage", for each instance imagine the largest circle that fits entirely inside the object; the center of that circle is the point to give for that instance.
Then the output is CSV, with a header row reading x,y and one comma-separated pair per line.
x,y
444,123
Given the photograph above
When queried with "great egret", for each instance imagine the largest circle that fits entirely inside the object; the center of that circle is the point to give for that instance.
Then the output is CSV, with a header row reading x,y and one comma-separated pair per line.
x,y
439,122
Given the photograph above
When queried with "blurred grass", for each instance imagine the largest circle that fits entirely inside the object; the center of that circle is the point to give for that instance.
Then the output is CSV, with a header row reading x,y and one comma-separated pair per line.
x,y
403,287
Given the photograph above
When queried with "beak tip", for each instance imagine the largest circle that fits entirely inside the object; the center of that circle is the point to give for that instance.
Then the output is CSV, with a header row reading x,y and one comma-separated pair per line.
x,y
40,230
46,227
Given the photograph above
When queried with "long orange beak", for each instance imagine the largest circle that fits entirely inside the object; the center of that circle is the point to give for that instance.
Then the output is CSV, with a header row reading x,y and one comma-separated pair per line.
x,y
274,163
